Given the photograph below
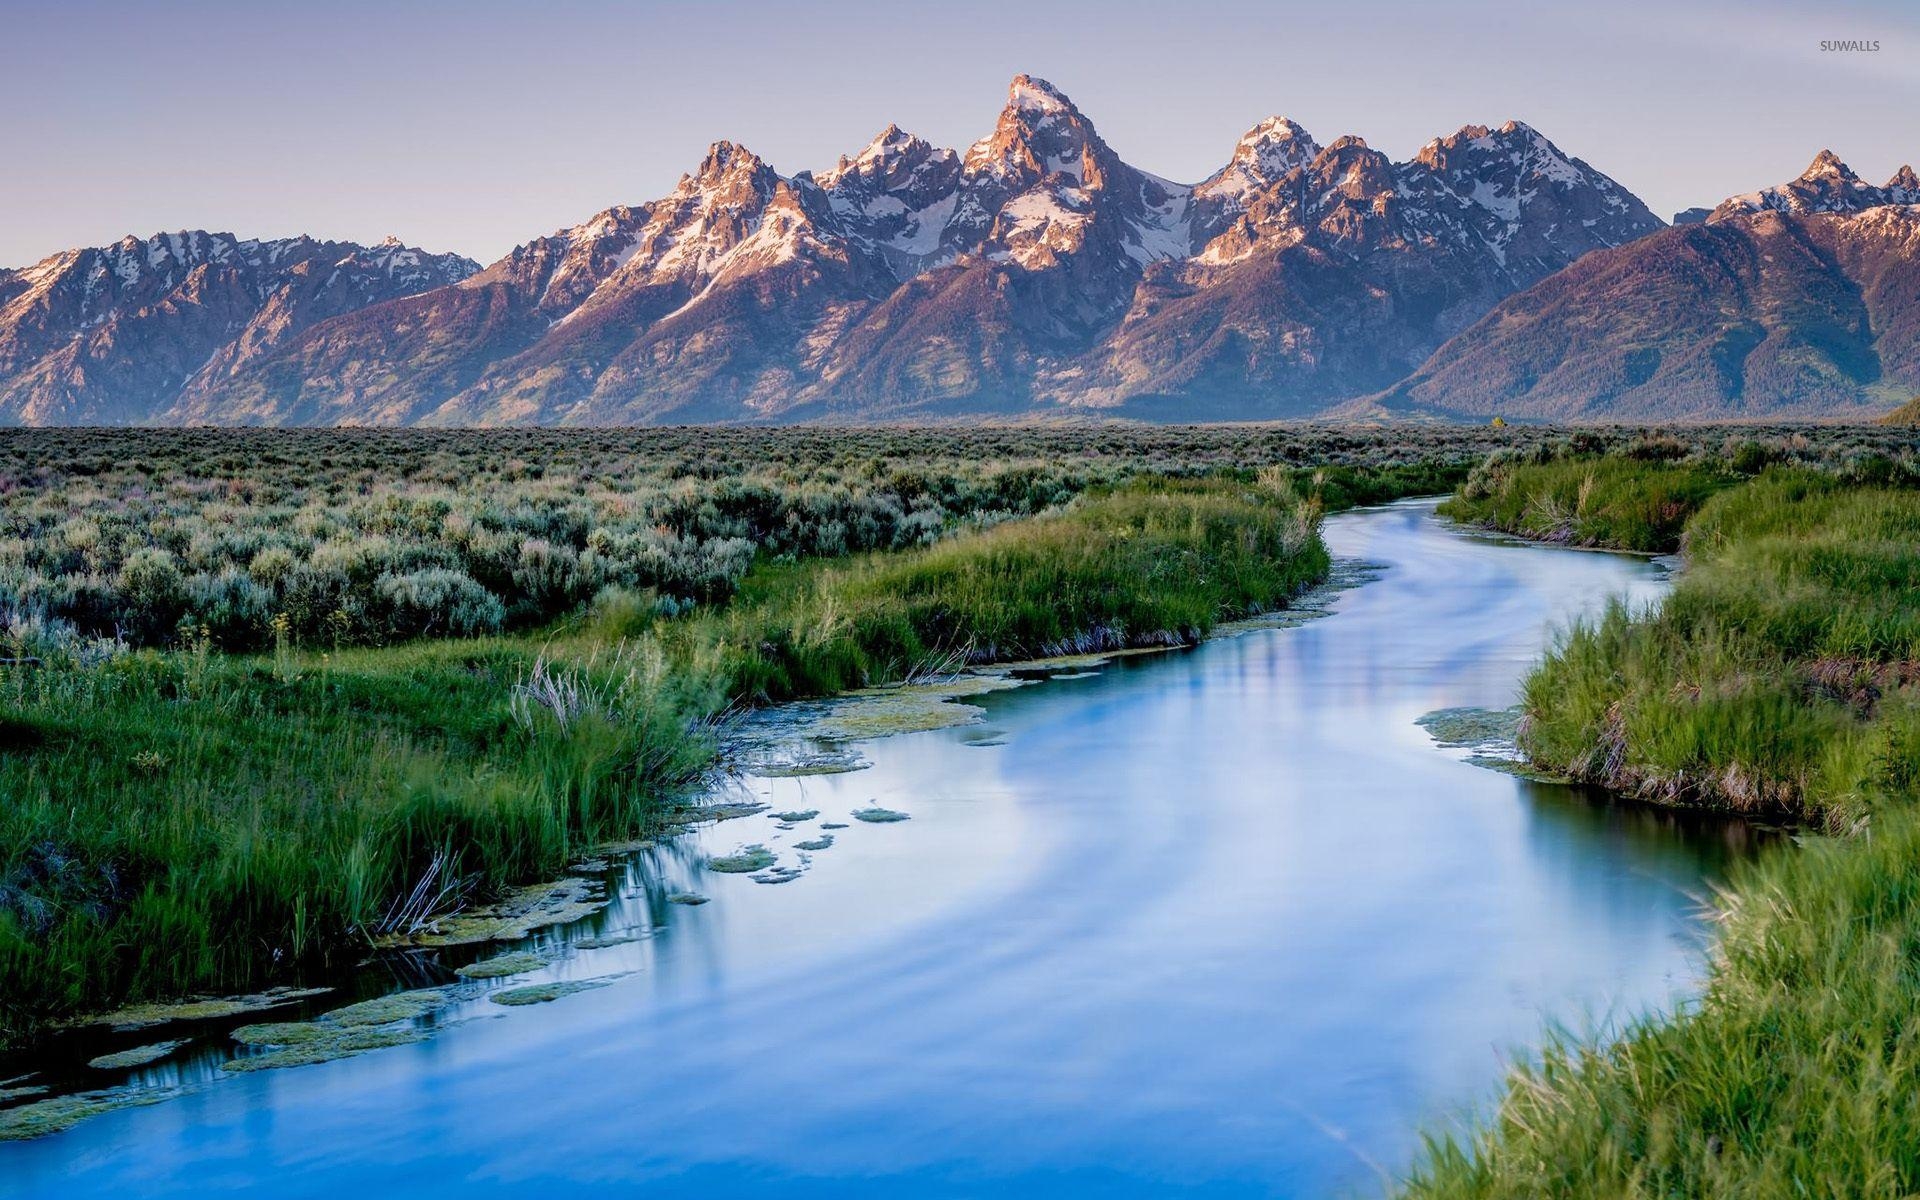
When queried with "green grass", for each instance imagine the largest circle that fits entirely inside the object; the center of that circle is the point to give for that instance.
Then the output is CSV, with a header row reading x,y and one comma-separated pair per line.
x,y
1623,503
252,538
182,822
193,821
1776,677
1152,563
1779,675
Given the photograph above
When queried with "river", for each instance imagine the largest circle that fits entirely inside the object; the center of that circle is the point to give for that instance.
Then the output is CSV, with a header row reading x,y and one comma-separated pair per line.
x,y
1223,922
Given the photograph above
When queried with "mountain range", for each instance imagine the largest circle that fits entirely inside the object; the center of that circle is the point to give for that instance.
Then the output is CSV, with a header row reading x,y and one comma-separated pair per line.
x,y
1034,272
137,331
1799,301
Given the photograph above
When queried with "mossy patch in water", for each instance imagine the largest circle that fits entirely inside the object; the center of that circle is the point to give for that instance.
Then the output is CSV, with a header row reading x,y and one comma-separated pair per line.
x,y
819,843
878,816
145,1016
690,899
283,1033
777,875
1518,767
788,762
344,1044
727,810
502,965
385,1010
1492,736
514,916
542,993
1052,666
798,815
139,1056
630,846
1459,728
886,714
61,1113
834,825
333,1026
808,737
8,1092
746,861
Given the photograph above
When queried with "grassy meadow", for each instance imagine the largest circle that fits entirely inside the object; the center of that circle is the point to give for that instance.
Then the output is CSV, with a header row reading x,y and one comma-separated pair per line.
x,y
247,539
257,708
1779,676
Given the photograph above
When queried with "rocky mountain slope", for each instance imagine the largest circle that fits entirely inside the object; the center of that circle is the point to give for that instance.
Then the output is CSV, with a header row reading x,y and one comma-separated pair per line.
x,y
1802,300
1033,271
133,332
1319,273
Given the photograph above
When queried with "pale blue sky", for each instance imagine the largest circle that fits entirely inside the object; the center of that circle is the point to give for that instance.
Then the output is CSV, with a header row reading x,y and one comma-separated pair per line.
x,y
471,125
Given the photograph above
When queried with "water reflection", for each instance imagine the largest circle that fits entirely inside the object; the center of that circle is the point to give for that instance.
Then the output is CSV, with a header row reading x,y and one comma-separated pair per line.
x,y
1217,923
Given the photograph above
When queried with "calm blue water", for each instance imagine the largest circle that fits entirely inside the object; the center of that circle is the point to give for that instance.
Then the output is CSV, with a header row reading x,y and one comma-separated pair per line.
x,y
1220,923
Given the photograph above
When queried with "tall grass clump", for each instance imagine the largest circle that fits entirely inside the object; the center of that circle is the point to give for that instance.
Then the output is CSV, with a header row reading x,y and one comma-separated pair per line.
x,y
1625,503
1766,680
182,822
1155,562
1779,675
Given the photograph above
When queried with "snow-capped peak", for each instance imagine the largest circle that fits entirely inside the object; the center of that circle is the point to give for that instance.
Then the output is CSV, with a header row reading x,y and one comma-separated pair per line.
x,y
1515,191
1039,133
726,162
94,286
1264,155
1273,129
1828,185
891,140
1036,95
1476,148
1827,165
892,150
1273,147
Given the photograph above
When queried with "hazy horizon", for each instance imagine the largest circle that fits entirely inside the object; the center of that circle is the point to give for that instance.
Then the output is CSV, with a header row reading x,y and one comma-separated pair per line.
x,y
473,127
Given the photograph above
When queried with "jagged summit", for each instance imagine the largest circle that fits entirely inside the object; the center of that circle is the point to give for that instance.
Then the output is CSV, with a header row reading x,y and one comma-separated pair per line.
x,y
890,150
1828,185
725,161
1029,92
888,142
1040,133
1263,156
1827,163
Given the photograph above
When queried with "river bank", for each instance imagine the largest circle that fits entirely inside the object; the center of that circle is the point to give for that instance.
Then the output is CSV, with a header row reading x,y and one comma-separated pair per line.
x,y
1777,677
